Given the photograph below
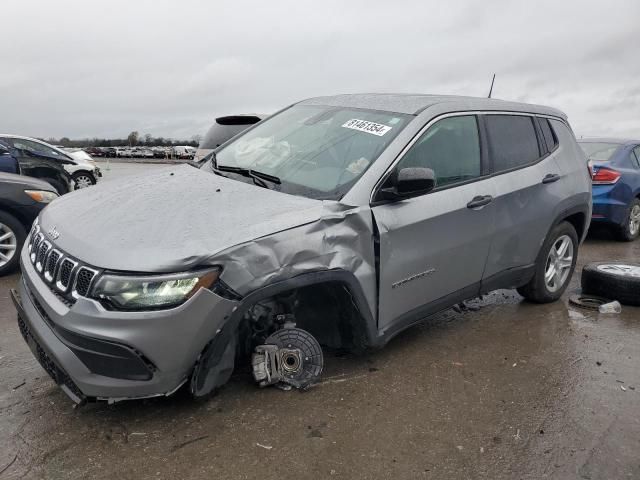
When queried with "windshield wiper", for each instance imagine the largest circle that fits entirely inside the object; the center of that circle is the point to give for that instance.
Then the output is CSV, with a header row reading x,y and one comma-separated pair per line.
x,y
258,177
266,176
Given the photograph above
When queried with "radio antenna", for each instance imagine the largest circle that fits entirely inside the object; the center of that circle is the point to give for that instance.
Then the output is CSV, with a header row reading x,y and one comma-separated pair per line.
x,y
491,89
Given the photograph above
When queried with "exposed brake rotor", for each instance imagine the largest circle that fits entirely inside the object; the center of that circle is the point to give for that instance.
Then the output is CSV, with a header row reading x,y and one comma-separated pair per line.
x,y
290,356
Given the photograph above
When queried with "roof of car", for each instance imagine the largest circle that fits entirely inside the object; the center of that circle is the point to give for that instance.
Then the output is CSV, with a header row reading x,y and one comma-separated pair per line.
x,y
619,141
11,135
22,137
415,103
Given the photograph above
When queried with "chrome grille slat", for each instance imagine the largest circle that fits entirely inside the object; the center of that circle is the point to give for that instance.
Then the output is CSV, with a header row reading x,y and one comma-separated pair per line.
x,y
51,265
83,280
34,248
41,254
67,268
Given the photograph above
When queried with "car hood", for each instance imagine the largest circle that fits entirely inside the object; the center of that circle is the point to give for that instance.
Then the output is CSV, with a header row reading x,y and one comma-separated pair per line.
x,y
28,182
81,158
172,220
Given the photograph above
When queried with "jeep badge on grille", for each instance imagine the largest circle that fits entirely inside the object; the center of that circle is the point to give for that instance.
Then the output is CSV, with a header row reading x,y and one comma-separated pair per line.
x,y
53,233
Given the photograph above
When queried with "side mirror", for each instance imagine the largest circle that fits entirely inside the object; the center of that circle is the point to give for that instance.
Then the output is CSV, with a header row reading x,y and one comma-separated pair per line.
x,y
410,182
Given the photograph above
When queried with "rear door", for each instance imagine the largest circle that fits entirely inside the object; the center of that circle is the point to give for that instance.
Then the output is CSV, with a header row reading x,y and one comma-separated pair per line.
x,y
433,247
528,190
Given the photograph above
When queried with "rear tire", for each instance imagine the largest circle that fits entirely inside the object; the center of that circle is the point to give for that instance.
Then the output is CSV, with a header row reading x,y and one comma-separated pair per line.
x,y
12,236
631,228
554,266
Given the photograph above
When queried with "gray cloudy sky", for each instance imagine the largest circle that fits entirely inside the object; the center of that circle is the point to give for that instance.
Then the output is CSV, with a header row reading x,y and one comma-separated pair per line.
x,y
81,68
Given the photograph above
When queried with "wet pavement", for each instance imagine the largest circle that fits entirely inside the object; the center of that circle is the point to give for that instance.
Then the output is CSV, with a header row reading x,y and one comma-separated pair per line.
x,y
513,390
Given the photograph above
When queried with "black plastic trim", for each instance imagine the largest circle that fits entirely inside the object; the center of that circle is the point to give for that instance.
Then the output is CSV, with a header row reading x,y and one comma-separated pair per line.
x,y
46,359
508,279
420,313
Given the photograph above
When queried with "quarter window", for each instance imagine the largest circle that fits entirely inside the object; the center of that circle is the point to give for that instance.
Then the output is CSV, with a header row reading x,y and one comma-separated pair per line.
x,y
451,148
547,132
635,157
513,141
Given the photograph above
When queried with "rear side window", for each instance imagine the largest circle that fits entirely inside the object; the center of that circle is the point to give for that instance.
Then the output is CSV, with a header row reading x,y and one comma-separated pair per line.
x,y
513,141
451,148
635,155
547,132
599,151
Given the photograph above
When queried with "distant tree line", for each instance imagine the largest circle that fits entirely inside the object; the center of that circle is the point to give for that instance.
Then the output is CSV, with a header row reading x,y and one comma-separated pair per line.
x,y
134,139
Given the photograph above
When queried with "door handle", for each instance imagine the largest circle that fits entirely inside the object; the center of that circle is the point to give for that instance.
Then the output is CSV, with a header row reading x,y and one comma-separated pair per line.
x,y
480,201
550,178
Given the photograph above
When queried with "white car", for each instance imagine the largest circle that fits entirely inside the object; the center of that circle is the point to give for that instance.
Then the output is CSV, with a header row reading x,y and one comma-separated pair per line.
x,y
124,152
184,152
83,171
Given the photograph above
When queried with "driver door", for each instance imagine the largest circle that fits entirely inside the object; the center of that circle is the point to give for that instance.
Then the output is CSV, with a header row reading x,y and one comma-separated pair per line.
x,y
433,247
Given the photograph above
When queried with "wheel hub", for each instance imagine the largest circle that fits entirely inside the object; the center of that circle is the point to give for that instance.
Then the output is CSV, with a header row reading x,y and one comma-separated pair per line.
x,y
634,220
559,263
8,244
289,356
83,182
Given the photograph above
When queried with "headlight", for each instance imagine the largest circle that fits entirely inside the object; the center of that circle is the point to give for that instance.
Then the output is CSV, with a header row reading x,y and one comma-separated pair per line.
x,y
152,292
42,196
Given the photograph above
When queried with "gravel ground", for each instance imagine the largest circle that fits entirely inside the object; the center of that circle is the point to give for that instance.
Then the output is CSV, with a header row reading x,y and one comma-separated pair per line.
x,y
512,390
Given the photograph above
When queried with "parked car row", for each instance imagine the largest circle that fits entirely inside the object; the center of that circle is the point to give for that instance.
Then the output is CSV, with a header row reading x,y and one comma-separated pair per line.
x,y
180,152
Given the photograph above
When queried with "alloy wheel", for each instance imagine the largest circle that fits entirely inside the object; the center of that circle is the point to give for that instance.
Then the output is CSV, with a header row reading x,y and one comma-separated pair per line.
x,y
634,220
83,181
559,263
8,244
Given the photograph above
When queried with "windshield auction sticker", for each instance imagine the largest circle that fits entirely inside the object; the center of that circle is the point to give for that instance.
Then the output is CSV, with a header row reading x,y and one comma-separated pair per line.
x,y
367,127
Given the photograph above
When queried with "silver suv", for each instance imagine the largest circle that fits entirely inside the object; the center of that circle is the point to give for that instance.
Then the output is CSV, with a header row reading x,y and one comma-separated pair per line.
x,y
340,220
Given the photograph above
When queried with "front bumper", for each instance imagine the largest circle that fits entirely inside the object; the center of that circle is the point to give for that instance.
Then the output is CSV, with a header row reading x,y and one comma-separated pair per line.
x,y
93,353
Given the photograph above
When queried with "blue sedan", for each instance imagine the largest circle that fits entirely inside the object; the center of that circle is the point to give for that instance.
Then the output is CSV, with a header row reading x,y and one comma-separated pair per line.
x,y
615,170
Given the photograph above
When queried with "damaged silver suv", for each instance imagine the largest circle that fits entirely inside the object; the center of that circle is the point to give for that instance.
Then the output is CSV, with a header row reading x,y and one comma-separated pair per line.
x,y
339,221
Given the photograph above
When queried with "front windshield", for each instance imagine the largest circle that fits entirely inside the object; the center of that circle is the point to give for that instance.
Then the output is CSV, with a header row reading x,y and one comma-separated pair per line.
x,y
599,151
313,151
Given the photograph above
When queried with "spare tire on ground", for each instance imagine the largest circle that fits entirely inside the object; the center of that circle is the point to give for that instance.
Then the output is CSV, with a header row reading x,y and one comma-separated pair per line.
x,y
615,280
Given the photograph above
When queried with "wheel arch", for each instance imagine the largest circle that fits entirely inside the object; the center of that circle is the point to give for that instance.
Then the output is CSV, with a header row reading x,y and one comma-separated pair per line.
x,y
339,279
17,215
216,362
577,216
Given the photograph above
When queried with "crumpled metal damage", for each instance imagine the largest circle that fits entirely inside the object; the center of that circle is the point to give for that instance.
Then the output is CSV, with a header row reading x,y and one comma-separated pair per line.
x,y
190,218
172,220
342,238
